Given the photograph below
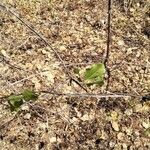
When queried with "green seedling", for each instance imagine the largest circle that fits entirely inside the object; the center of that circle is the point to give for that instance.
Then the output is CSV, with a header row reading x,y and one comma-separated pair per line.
x,y
15,101
29,95
95,74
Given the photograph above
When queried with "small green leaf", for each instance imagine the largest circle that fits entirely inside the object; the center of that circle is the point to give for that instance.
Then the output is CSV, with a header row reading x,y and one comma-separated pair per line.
x,y
147,132
15,101
29,95
95,74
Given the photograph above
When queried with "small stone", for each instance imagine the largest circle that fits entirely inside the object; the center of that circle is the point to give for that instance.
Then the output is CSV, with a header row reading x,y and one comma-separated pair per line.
x,y
138,4
25,107
44,51
27,116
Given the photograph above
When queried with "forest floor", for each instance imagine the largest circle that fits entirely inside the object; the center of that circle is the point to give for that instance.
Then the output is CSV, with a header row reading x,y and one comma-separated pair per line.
x,y
77,30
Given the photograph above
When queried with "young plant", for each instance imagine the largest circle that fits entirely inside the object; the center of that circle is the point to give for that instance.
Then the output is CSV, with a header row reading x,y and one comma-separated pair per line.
x,y
95,74
15,101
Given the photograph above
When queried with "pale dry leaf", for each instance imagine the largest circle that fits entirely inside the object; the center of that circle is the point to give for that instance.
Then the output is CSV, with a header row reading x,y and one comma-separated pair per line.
x,y
124,146
128,112
138,108
49,76
74,119
114,115
25,107
112,144
62,48
121,42
103,136
78,113
120,136
128,130
42,125
66,88
85,117
4,53
115,125
143,109
36,82
54,139
27,116
44,51
146,124
29,66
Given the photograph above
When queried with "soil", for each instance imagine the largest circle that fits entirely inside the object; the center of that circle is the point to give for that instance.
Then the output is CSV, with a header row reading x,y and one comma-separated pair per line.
x,y
77,31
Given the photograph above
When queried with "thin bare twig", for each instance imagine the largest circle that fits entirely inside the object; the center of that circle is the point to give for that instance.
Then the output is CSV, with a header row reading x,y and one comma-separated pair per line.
x,y
3,59
27,78
108,44
108,33
46,43
121,95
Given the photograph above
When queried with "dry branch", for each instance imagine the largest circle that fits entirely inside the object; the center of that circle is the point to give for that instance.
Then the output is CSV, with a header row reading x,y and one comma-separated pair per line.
x,y
108,44
118,95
